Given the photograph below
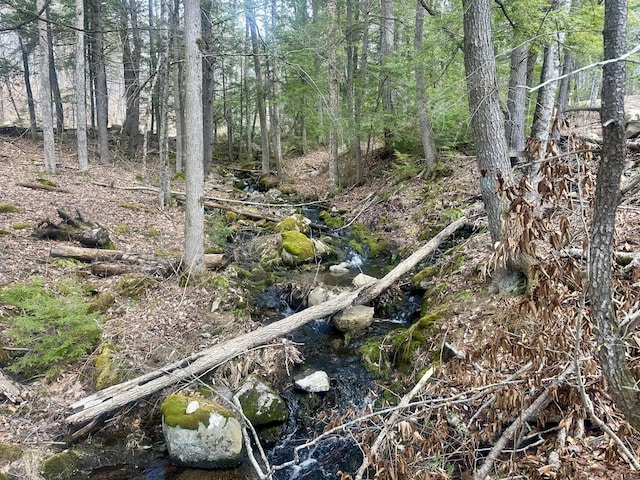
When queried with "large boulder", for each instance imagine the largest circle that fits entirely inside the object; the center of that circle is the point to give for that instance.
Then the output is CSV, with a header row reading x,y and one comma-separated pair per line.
x,y
201,434
296,248
354,319
295,222
261,404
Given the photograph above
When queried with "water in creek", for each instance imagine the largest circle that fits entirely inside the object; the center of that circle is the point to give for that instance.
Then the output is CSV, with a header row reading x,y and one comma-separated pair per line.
x,y
323,348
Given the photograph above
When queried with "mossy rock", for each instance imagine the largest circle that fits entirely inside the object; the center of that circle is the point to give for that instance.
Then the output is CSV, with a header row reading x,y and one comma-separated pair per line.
x,y
296,222
174,412
261,404
107,367
102,302
331,221
369,244
296,247
21,226
133,286
9,452
8,208
61,466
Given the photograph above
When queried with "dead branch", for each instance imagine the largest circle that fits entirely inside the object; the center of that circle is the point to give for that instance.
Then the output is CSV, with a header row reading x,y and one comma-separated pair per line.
x,y
531,411
11,390
393,419
41,186
106,401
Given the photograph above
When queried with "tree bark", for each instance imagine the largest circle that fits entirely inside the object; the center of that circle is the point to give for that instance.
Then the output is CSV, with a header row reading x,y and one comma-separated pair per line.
x,y
194,208
517,98
131,57
27,85
100,79
112,398
177,85
81,90
487,120
621,383
386,48
426,130
332,64
207,87
55,87
163,108
45,94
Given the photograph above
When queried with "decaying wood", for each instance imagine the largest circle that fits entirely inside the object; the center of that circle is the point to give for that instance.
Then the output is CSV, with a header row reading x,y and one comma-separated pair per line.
x,y
625,259
11,390
73,228
106,401
116,262
41,186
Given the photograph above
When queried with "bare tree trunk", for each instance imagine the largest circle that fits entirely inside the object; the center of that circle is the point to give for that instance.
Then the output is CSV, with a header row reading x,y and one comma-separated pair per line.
x,y
260,94
45,94
386,48
131,57
100,88
27,85
621,383
517,98
207,87
177,85
332,63
55,87
487,120
426,130
163,107
194,208
81,90
359,95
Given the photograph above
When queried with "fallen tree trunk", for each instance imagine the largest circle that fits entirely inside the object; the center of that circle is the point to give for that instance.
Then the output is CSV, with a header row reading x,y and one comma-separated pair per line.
x,y
118,261
105,401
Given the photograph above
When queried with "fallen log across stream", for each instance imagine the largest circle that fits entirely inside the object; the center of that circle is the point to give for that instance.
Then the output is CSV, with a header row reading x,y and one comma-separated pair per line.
x,y
98,405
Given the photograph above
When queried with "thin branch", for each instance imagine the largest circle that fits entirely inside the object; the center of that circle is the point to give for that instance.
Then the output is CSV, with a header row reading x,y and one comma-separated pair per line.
x,y
582,69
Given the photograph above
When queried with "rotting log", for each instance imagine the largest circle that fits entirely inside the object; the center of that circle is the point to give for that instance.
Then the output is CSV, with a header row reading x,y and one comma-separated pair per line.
x,y
100,404
115,262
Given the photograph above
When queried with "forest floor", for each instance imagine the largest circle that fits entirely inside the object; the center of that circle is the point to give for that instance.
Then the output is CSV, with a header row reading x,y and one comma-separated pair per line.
x,y
500,357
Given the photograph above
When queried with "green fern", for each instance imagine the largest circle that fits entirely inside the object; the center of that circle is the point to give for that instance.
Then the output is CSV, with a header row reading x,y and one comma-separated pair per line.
x,y
55,327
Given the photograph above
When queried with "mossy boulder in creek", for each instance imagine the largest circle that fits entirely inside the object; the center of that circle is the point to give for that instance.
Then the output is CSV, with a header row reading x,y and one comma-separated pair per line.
x,y
61,466
296,222
354,319
261,404
9,452
201,434
296,248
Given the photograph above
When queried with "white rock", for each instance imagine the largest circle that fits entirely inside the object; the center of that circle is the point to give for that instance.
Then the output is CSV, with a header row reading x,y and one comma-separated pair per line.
x,y
317,381
340,269
361,280
354,319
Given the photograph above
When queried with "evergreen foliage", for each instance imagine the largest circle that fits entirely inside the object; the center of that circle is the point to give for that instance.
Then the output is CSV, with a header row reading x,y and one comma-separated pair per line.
x,y
53,324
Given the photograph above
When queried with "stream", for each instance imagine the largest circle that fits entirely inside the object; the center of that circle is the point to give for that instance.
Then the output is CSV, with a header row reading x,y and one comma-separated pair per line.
x,y
323,348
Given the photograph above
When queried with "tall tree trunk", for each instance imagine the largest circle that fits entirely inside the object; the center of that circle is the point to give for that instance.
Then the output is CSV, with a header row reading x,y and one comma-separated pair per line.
x,y
621,384
332,63
517,98
100,87
45,93
153,62
194,208
55,87
131,57
386,88
177,85
247,93
317,62
426,130
260,92
81,90
487,121
274,93
350,82
31,105
207,86
361,79
163,107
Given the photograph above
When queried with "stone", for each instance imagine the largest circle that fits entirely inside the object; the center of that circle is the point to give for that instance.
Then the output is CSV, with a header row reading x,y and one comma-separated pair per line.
x,y
362,279
319,295
208,437
354,319
313,382
340,269
296,248
295,222
261,404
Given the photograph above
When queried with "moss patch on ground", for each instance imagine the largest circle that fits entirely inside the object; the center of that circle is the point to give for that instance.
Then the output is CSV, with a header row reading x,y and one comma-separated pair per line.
x,y
8,208
61,466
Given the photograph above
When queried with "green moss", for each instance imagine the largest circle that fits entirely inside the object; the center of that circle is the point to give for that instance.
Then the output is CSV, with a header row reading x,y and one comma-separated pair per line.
x,y
120,229
295,222
133,286
174,412
61,466
4,233
21,226
369,244
217,280
331,221
152,233
107,368
8,208
258,414
102,302
180,176
298,245
46,182
52,323
9,452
